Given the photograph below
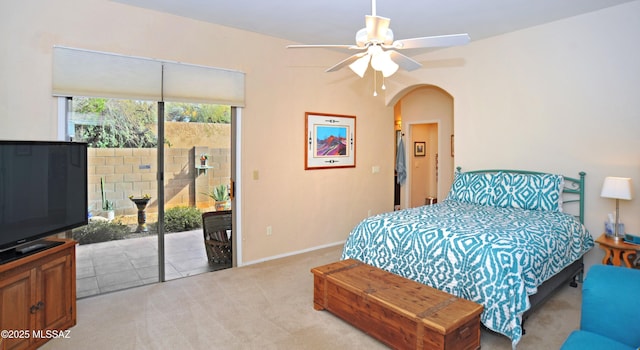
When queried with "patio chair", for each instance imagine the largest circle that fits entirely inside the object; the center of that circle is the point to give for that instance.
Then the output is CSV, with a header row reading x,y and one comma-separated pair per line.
x,y
216,227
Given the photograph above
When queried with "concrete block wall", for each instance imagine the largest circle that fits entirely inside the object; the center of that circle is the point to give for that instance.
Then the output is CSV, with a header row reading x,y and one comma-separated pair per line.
x,y
132,172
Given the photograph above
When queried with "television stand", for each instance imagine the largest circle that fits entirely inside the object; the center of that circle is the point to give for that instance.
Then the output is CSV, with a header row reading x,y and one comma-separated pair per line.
x,y
27,249
39,294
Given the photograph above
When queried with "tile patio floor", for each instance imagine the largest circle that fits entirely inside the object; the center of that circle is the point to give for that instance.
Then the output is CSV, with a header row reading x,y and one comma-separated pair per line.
x,y
110,266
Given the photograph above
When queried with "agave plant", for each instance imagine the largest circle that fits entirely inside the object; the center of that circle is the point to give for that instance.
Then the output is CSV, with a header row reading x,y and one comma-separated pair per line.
x,y
219,193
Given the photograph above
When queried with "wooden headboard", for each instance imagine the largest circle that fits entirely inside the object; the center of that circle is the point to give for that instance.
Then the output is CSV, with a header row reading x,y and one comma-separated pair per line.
x,y
572,192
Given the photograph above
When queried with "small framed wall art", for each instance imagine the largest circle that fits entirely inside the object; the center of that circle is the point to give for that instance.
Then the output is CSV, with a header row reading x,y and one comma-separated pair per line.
x,y
330,141
419,149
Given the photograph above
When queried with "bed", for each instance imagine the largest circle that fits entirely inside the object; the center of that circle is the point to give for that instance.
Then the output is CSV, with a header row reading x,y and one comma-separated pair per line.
x,y
505,239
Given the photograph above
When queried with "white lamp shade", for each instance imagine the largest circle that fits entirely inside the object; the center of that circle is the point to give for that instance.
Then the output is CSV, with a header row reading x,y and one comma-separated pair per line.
x,y
360,65
617,188
390,67
379,60
382,62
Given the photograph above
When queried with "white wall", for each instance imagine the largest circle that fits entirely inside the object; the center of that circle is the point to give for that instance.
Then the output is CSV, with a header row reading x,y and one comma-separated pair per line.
x,y
306,209
561,98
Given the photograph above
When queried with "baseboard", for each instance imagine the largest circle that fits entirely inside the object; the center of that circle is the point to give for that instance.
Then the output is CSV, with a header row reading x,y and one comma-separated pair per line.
x,y
292,253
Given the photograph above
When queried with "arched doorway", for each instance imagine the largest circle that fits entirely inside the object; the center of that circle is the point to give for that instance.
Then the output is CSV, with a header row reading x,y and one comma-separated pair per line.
x,y
424,118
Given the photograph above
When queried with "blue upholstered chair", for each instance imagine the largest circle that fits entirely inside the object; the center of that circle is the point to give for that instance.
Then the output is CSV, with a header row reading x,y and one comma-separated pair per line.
x,y
610,316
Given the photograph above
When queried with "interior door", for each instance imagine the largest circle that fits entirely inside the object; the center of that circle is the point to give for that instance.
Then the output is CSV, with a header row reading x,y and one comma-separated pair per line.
x,y
422,164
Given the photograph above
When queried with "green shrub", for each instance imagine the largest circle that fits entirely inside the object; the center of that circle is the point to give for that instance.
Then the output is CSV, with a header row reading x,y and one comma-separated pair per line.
x,y
100,231
180,219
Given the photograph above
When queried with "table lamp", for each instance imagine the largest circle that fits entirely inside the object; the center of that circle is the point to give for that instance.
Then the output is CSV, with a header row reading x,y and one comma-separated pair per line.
x,y
616,188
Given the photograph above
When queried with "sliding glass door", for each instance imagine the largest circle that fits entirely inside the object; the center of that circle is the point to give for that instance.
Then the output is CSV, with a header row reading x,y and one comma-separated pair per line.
x,y
119,247
154,169
197,173
146,162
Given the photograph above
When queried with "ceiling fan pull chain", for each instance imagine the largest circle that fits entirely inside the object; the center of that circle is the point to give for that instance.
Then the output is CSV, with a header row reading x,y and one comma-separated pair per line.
x,y
375,83
383,86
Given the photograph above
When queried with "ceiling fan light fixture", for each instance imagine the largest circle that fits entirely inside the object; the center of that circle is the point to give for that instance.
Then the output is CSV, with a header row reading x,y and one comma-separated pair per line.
x,y
376,46
360,65
382,62
390,69
361,37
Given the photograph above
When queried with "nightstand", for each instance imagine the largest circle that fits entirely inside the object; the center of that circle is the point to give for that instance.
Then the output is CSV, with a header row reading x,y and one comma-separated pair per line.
x,y
617,252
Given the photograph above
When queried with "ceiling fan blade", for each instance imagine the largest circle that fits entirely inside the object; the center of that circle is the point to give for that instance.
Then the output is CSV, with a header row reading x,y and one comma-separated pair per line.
x,y
303,46
432,41
403,61
345,62
377,28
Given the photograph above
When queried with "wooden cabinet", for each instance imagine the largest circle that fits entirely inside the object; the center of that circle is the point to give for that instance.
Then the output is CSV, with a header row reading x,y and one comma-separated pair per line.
x,y
38,296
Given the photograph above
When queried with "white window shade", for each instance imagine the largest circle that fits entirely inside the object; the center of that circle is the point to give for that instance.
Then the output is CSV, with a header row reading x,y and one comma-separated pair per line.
x,y
96,74
199,84
78,72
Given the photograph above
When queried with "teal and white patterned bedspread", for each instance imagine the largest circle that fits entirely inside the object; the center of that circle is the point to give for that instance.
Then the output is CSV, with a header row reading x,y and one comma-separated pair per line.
x,y
496,257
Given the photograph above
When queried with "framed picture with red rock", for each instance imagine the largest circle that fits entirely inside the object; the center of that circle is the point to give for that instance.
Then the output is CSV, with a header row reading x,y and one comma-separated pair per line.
x,y
330,141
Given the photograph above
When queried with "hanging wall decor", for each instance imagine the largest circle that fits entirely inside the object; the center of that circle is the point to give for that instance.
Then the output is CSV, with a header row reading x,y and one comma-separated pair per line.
x,y
330,141
419,149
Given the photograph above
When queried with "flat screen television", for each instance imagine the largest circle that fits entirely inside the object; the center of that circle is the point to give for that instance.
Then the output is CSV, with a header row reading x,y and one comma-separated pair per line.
x,y
43,190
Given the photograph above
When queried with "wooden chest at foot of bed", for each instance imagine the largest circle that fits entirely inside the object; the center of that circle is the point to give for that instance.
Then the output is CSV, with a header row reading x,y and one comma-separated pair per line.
x,y
401,313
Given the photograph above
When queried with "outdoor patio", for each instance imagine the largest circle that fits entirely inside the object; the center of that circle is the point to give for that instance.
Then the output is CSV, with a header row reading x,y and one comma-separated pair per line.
x,y
114,265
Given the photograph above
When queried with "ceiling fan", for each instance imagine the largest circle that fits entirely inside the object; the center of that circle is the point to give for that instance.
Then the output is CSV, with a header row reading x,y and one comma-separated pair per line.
x,y
377,47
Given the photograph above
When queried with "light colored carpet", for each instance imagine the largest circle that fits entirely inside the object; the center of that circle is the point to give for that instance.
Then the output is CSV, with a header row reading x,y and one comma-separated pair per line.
x,y
262,306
